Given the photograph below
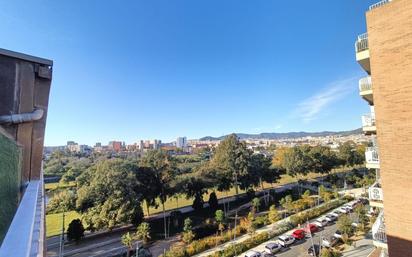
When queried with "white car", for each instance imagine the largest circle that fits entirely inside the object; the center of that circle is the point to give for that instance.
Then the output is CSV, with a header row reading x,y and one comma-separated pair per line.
x,y
321,222
330,217
338,234
329,242
344,210
286,240
273,247
253,254
336,213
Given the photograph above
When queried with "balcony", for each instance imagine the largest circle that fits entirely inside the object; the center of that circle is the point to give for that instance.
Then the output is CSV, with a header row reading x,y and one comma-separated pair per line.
x,y
362,52
365,89
376,195
378,232
26,234
379,4
368,124
372,158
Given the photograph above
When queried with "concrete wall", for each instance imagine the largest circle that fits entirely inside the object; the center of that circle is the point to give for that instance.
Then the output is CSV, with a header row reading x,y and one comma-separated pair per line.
x,y
390,43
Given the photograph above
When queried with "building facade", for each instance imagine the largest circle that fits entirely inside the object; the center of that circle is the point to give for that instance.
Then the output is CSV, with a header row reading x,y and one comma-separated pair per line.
x,y
385,53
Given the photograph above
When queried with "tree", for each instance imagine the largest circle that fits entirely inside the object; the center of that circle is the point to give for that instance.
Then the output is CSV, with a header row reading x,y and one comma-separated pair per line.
x,y
127,240
143,232
198,202
323,159
75,231
273,214
220,219
188,234
108,195
164,170
213,202
231,161
297,161
348,154
345,224
62,201
256,203
251,224
307,199
287,203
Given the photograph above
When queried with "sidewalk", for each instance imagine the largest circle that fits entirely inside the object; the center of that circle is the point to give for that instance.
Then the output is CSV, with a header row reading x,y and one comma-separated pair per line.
x,y
362,248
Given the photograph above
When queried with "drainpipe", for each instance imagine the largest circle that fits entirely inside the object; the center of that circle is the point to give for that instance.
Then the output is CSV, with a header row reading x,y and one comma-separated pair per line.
x,y
37,114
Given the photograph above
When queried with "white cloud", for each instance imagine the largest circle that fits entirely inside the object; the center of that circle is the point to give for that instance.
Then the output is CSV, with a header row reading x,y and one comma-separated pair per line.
x,y
310,108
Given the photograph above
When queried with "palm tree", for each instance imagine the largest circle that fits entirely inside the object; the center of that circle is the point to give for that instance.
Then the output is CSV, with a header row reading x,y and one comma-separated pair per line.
x,y
127,240
143,232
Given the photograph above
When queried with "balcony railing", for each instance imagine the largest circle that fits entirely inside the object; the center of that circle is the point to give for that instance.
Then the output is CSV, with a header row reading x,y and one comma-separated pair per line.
x,y
25,236
361,43
365,84
375,192
379,4
378,229
368,120
371,155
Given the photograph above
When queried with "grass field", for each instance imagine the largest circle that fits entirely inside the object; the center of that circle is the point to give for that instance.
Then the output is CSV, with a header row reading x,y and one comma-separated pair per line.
x,y
54,221
52,186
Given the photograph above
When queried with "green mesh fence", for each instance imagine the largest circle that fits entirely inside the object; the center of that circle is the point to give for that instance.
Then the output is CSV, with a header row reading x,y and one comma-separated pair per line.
x,y
10,168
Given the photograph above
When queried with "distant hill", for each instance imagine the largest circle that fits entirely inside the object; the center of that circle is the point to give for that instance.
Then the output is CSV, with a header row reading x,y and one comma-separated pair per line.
x,y
287,135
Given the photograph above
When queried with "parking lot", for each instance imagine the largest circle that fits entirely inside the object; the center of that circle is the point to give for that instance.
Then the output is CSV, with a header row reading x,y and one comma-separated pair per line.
x,y
300,247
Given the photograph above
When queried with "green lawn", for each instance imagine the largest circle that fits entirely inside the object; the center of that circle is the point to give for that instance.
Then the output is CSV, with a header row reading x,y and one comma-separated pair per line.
x,y
54,222
52,186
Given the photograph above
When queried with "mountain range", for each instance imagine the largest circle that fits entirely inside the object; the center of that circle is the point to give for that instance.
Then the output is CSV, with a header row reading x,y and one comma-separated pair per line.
x,y
274,135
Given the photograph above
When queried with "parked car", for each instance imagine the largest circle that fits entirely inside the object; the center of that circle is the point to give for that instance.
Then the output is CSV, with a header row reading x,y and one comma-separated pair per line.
x,y
286,240
321,222
329,242
344,210
336,213
298,234
273,247
253,254
314,250
330,217
267,254
338,234
312,228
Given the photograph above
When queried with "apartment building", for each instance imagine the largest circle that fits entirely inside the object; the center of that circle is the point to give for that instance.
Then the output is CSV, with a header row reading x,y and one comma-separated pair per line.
x,y
385,53
24,95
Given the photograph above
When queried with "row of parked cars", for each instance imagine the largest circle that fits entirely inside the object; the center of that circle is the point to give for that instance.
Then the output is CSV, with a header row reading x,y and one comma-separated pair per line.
x,y
284,241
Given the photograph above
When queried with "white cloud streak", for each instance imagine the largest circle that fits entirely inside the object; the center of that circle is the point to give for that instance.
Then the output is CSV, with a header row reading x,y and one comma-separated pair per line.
x,y
310,108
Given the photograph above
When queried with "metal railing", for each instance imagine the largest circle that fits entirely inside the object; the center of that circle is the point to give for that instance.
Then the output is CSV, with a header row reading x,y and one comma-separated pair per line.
x,y
375,192
26,234
379,4
378,229
361,43
368,120
371,155
365,84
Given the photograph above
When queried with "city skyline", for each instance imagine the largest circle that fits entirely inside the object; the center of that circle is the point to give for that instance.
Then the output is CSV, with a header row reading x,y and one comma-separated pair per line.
x,y
189,68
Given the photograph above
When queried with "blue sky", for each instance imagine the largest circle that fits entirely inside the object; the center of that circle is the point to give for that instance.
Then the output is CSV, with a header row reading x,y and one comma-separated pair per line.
x,y
129,70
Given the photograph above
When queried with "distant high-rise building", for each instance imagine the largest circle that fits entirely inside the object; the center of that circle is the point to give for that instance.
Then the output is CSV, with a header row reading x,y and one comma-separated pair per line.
x,y
181,142
141,145
116,146
156,144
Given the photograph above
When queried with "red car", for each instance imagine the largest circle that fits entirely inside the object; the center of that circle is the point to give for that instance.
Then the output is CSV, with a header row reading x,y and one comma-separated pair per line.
x,y
312,228
299,234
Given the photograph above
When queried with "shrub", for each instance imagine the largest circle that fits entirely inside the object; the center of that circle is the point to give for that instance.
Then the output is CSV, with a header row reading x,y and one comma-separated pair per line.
x,y
75,231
